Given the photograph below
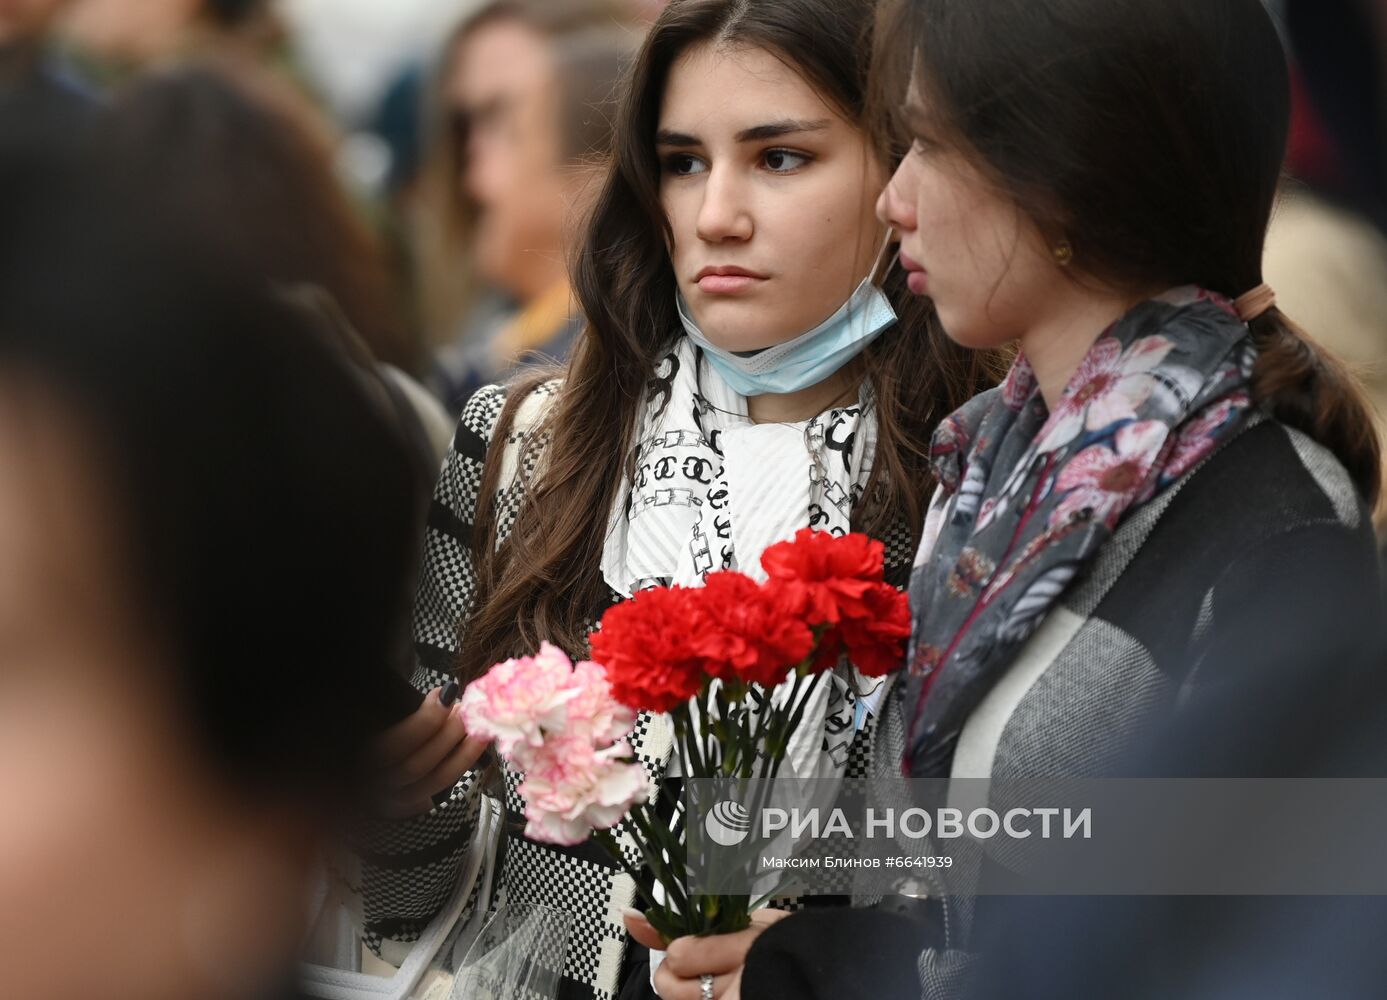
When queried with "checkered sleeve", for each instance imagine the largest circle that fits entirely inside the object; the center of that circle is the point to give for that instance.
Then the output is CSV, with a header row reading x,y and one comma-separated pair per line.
x,y
409,868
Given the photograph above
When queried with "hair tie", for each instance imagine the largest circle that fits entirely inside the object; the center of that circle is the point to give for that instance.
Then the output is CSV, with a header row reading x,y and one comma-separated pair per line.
x,y
1254,303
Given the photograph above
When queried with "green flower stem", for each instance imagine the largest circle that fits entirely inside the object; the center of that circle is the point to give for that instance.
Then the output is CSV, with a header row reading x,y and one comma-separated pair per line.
x,y
683,730
677,816
704,725
669,799
722,915
738,732
785,722
655,913
752,734
777,735
708,725
762,901
675,913
654,847
799,709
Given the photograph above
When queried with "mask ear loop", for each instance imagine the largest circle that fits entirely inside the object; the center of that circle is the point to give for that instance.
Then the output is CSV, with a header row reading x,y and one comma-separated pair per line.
x,y
879,272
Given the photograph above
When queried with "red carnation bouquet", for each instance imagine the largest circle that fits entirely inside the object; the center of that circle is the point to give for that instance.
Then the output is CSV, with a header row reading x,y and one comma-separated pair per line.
x,y
710,657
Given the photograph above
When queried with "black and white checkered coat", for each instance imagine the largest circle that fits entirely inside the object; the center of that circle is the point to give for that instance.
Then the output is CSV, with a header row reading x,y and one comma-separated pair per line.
x,y
1264,551
412,867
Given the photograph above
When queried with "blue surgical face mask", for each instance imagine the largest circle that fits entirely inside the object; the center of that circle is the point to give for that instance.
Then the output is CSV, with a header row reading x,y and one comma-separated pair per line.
x,y
811,357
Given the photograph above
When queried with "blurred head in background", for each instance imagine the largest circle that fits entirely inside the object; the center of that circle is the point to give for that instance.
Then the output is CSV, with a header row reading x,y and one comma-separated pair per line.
x,y
229,148
30,70
138,32
22,21
205,548
528,90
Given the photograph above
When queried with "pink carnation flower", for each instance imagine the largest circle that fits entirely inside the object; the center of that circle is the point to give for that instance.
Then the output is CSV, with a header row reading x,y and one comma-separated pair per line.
x,y
594,708
515,702
571,789
560,725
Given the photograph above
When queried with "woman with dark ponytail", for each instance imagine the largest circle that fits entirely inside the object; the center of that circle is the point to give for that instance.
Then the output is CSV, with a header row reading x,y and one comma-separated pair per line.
x,y
1166,504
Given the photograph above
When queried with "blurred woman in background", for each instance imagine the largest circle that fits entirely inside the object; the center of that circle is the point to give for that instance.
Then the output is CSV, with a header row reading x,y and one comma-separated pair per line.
x,y
527,92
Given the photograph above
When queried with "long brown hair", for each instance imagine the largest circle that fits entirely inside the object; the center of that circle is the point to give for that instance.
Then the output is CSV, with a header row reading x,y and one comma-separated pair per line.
x,y
545,582
1151,135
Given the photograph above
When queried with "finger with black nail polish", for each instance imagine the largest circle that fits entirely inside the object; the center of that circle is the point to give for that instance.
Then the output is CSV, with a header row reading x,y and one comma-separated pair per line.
x,y
449,694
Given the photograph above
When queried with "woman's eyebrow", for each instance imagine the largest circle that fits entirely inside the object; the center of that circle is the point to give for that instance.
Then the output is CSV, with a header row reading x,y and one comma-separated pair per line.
x,y
758,133
666,137
786,126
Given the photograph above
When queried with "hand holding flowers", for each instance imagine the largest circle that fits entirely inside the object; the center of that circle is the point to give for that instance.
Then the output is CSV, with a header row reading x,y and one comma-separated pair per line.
x,y
733,663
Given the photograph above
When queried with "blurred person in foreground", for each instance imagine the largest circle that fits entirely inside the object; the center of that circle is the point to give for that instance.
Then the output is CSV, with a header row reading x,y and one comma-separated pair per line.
x,y
529,88
1327,249
205,546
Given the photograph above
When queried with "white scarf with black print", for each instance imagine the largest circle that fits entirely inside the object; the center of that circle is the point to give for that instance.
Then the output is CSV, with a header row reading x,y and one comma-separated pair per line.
x,y
713,490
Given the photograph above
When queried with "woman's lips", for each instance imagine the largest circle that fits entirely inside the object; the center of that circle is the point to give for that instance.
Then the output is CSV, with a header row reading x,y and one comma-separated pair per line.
x,y
728,284
918,281
727,280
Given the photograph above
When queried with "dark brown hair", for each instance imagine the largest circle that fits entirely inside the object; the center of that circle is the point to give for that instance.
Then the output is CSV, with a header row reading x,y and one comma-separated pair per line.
x,y
545,582
1151,135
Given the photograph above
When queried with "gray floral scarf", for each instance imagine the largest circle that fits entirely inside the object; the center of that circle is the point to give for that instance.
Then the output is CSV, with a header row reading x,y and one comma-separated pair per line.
x,y
1029,496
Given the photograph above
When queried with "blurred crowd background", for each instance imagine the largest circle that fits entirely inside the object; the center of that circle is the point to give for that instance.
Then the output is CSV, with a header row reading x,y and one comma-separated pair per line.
x,y
195,611
425,161
422,161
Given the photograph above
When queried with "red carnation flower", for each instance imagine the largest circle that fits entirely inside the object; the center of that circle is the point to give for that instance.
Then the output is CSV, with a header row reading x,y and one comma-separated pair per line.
x,y
653,647
876,643
750,639
822,578
838,582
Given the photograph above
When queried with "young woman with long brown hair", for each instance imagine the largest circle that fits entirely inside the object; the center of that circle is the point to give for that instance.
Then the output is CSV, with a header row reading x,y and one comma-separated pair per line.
x,y
1163,509
745,372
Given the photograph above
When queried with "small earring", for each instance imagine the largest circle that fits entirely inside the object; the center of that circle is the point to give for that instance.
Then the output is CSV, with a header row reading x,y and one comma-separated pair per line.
x,y
1064,253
